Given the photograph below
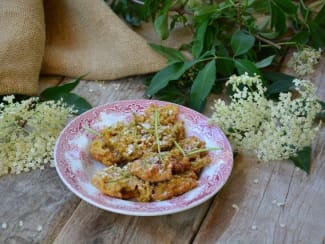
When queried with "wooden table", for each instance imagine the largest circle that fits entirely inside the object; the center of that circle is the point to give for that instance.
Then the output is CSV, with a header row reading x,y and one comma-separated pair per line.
x,y
271,202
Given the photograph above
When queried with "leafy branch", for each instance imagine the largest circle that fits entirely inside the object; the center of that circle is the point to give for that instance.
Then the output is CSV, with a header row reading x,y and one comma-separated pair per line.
x,y
64,92
229,37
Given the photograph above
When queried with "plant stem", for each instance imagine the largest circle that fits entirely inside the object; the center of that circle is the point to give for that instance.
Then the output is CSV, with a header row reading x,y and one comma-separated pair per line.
x,y
195,150
138,2
277,45
215,57
202,150
92,131
180,148
156,117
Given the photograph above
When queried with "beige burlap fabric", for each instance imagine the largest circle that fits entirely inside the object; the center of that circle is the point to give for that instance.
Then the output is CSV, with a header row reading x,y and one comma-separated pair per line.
x,y
178,36
22,39
85,36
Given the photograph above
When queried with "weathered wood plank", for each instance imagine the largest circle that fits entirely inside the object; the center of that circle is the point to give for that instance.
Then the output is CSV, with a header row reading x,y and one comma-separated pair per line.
x,y
34,205
271,202
101,92
276,203
92,225
39,200
261,202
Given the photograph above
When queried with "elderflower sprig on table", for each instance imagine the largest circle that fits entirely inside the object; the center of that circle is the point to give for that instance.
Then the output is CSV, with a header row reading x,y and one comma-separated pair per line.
x,y
28,131
274,130
303,61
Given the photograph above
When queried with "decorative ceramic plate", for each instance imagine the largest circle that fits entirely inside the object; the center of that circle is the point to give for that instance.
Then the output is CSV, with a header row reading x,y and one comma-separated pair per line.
x,y
75,166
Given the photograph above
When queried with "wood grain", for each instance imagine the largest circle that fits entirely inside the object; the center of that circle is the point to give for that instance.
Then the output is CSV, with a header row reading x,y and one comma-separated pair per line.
x,y
271,202
92,225
39,200
101,92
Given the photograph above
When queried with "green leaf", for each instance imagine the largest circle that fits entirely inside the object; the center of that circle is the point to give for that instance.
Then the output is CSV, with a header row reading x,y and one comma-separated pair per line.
x,y
172,72
241,42
265,62
63,91
259,6
171,54
132,20
226,66
198,43
53,91
277,76
320,17
270,35
161,22
301,37
172,93
286,6
202,86
303,159
321,115
209,53
317,35
210,11
72,99
150,7
278,20
244,65
280,82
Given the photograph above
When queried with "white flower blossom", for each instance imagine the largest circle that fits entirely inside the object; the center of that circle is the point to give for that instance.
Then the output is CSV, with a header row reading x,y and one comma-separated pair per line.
x,y
28,131
303,61
274,130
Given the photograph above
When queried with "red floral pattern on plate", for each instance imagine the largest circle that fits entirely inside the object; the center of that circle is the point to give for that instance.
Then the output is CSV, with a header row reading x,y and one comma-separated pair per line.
x,y
75,166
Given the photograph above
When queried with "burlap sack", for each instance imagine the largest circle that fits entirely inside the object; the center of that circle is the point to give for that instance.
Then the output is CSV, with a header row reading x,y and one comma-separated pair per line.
x,y
85,36
22,39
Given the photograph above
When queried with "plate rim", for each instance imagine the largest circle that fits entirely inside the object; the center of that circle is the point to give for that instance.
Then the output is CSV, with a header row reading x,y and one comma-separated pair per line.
x,y
130,212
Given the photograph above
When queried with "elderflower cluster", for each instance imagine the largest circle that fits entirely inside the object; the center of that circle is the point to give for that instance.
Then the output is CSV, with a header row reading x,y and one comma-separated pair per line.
x,y
274,130
28,131
303,61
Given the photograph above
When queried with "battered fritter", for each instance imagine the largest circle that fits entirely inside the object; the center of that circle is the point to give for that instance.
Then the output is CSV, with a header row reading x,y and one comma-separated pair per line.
x,y
149,159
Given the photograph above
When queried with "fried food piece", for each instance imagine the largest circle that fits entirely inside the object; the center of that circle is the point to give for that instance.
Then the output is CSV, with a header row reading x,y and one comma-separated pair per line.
x,y
100,151
197,160
118,182
151,168
121,138
148,174
123,143
178,161
177,185
191,143
167,114
200,162
169,128
169,134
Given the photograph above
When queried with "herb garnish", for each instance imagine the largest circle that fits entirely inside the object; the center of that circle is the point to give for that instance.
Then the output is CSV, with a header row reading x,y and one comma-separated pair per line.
x,y
91,130
195,151
156,121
